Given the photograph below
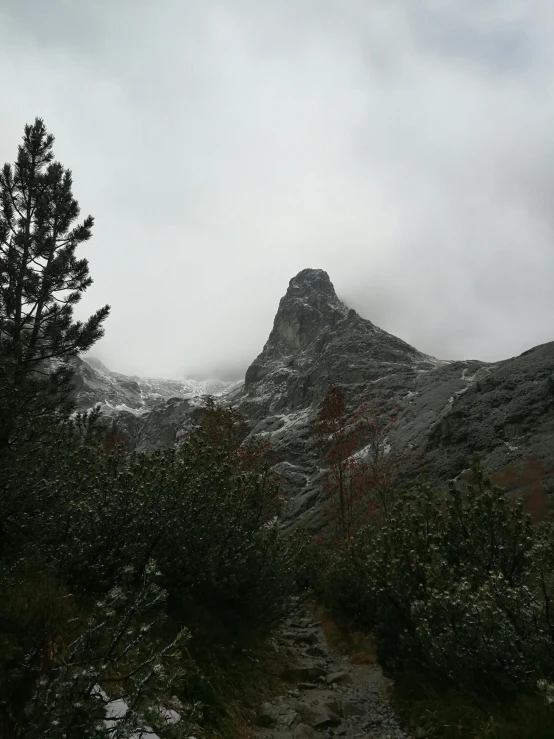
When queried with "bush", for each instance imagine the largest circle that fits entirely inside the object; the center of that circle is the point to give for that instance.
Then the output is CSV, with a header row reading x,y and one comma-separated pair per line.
x,y
62,664
461,590
310,560
231,557
206,513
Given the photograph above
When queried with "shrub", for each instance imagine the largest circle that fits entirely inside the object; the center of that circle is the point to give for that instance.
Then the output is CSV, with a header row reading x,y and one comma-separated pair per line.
x,y
206,513
310,561
224,551
66,663
83,516
460,589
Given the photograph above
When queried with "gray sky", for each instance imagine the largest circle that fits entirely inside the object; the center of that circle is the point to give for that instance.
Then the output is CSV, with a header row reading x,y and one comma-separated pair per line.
x,y
224,145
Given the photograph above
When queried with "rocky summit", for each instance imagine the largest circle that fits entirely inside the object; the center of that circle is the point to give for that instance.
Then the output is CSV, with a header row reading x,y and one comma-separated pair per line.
x,y
316,340
448,409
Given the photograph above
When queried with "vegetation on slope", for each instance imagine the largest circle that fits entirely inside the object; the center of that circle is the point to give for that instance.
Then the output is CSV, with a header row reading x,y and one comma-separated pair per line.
x,y
155,579
458,593
145,579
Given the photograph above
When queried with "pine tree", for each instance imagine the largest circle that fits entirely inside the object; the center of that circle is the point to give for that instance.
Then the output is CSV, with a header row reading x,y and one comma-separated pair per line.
x,y
41,281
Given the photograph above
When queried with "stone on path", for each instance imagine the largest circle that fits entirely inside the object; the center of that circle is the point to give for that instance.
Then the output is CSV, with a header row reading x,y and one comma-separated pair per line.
x,y
338,678
317,715
329,696
303,674
303,731
307,637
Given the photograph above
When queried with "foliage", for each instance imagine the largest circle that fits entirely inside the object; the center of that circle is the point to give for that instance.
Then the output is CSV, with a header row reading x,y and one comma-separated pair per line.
x,y
118,649
41,281
339,434
311,560
362,469
338,438
233,556
86,617
461,590
463,713
206,513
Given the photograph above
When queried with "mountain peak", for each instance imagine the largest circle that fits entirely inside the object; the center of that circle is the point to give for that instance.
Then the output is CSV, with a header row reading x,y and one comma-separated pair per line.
x,y
309,306
315,336
312,281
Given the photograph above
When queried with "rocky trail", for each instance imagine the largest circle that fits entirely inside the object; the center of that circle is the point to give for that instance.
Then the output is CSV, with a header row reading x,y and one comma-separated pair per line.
x,y
329,696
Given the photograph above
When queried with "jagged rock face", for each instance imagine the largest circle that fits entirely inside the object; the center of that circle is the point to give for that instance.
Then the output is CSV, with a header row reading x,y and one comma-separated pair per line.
x,y
507,415
309,309
504,410
448,409
316,341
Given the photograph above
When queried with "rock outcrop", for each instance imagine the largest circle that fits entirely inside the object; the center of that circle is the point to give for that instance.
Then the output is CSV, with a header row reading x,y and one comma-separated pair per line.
x,y
448,409
316,340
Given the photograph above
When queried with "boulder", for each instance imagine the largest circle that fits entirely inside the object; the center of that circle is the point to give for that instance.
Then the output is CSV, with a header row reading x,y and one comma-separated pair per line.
x,y
303,731
306,637
303,674
338,678
317,715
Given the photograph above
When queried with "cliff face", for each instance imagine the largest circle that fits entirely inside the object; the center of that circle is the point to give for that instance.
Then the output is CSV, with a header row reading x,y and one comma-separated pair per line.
x,y
317,340
504,410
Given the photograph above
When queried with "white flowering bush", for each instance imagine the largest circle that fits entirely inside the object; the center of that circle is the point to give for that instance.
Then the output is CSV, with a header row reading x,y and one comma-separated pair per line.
x,y
461,588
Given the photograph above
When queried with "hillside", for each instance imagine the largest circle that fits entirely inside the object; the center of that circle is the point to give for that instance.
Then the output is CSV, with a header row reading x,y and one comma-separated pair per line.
x,y
448,409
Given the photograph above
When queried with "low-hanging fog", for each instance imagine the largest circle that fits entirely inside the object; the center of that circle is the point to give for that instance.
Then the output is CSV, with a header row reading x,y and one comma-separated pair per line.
x,y
405,147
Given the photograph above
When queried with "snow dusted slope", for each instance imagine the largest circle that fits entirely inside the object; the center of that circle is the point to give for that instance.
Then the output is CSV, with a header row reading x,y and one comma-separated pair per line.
x,y
447,409
147,412
95,384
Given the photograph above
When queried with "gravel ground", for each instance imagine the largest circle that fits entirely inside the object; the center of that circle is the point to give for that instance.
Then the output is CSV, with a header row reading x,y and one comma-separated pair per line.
x,y
329,697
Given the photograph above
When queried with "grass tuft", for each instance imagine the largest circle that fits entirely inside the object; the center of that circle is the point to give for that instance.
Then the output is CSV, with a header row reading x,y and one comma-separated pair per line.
x,y
359,647
231,689
460,714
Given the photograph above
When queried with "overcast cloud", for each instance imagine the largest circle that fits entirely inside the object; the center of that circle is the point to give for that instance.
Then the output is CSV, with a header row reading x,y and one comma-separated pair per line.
x,y
224,145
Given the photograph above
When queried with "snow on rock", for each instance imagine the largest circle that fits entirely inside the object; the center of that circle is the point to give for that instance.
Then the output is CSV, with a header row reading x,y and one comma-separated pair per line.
x,y
117,709
446,407
97,384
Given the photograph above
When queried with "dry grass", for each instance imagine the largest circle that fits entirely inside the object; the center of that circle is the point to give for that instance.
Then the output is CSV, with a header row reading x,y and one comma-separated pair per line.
x,y
459,714
360,648
232,691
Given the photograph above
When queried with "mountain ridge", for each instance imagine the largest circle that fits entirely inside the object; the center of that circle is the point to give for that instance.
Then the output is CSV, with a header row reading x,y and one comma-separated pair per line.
x,y
504,410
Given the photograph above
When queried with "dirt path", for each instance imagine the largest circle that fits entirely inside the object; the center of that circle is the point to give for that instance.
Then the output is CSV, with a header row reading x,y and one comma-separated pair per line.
x,y
329,696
